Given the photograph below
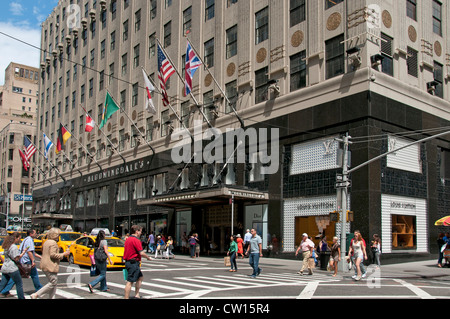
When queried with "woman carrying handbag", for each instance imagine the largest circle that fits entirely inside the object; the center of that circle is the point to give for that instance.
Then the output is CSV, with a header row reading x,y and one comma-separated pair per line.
x,y
10,270
101,256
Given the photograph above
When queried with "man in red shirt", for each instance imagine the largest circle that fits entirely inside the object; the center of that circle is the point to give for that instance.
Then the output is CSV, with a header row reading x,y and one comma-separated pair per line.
x,y
132,255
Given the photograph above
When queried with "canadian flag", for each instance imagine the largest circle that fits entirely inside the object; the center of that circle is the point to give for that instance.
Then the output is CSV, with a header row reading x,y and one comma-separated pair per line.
x,y
90,124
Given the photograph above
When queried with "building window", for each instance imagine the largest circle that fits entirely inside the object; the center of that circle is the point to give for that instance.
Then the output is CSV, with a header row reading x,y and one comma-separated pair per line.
x,y
209,10
91,198
149,129
187,20
412,63
209,53
159,183
122,192
137,21
232,94
103,196
387,65
135,96
437,17
167,34
411,9
297,11
113,41
334,50
165,123
261,86
136,56
232,41
80,200
153,9
262,25
139,188
122,140
230,2
124,64
332,3
298,71
208,105
403,232
438,77
185,114
125,31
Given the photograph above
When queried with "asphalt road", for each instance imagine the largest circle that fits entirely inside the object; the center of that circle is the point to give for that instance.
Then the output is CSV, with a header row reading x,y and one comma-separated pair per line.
x,y
206,278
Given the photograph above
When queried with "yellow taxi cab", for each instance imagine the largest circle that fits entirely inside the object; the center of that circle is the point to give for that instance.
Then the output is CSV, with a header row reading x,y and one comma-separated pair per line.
x,y
38,243
65,240
83,247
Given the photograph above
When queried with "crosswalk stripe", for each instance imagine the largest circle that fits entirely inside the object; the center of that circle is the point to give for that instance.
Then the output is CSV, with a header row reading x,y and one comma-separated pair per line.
x,y
181,283
208,280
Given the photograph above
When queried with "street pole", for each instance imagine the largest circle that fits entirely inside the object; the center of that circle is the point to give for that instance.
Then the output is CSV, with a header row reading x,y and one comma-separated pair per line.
x,y
232,213
343,190
23,206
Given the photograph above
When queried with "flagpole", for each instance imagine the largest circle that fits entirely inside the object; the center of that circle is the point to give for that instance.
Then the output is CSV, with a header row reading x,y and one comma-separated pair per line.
x,y
134,124
87,151
182,80
43,173
217,84
109,141
170,105
51,164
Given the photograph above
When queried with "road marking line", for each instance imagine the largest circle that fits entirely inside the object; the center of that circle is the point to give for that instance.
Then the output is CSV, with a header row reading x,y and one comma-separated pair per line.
x,y
309,290
419,292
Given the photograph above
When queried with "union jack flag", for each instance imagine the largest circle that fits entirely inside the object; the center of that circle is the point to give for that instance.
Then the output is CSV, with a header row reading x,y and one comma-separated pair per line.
x,y
192,64
166,70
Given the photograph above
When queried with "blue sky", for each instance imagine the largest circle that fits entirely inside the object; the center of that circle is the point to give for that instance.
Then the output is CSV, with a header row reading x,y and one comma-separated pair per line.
x,y
21,19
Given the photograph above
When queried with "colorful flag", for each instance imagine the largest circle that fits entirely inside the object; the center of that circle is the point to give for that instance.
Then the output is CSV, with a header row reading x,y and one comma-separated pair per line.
x,y
166,70
25,162
192,64
47,145
30,149
109,108
63,136
90,124
149,106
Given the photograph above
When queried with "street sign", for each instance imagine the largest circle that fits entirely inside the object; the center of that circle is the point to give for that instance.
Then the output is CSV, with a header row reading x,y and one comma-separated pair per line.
x,y
20,198
342,184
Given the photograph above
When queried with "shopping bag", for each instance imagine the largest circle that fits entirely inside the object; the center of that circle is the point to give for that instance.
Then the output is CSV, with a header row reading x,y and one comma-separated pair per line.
x,y
92,259
125,274
94,271
227,261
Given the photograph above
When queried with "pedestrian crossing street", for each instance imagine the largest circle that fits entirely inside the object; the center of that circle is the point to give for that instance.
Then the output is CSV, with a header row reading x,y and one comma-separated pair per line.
x,y
190,286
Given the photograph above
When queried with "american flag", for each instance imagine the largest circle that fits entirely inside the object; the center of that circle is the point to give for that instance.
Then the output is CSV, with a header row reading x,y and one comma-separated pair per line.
x,y
192,64
166,70
30,149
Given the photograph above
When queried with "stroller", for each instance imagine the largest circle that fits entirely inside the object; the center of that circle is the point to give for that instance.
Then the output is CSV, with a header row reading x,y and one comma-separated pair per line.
x,y
446,254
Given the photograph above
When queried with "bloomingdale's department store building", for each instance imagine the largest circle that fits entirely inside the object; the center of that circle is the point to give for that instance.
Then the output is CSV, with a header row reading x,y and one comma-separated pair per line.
x,y
317,71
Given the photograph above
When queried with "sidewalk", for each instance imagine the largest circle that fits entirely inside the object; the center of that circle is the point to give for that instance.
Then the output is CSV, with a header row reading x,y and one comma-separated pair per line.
x,y
408,270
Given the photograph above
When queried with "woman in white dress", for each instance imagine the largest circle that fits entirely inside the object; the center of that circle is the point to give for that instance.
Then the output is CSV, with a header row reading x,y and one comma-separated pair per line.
x,y
358,249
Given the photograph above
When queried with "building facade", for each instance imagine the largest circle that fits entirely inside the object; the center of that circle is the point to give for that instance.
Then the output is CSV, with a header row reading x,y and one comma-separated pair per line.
x,y
18,106
299,74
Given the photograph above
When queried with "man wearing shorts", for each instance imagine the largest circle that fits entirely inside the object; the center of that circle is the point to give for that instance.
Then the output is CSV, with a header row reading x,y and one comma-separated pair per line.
x,y
132,255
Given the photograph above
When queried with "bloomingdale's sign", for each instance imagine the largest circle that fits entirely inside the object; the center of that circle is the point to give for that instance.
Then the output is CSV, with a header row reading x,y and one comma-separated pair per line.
x,y
115,172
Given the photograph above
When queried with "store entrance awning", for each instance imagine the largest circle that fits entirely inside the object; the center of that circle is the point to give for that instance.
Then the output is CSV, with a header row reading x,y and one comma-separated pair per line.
x,y
204,197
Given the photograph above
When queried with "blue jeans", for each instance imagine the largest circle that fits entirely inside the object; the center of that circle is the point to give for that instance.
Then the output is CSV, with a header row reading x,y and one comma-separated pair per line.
x,y
34,277
254,263
15,277
233,260
101,266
